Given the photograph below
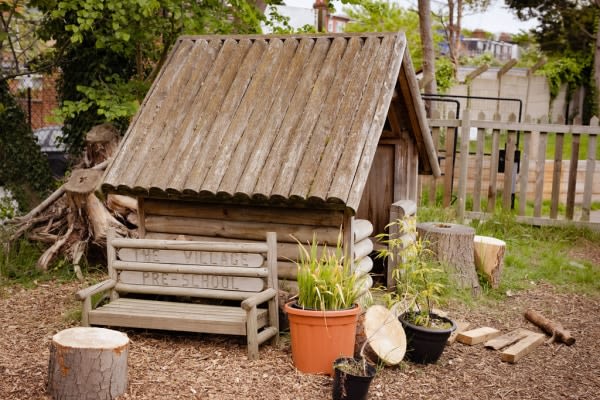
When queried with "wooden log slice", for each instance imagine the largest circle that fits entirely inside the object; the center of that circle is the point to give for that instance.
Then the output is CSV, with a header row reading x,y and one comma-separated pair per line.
x,y
88,363
452,245
381,336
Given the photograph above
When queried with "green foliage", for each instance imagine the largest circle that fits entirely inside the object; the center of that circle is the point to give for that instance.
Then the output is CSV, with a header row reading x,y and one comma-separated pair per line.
x,y
444,74
564,70
23,168
109,51
380,16
325,279
419,278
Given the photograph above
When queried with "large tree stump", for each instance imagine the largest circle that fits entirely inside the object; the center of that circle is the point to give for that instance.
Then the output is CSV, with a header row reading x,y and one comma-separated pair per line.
x,y
489,258
88,363
452,245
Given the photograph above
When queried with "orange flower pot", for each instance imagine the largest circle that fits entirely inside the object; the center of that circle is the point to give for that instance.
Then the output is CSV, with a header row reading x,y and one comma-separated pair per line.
x,y
318,338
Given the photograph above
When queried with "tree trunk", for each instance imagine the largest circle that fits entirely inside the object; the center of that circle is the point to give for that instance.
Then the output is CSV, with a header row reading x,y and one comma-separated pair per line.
x,y
427,44
88,363
489,257
453,245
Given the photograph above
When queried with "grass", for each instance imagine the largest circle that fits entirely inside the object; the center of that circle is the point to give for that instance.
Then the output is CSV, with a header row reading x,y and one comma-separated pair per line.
x,y
534,254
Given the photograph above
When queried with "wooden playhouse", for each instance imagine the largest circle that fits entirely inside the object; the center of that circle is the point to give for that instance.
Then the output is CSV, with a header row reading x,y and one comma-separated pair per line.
x,y
302,135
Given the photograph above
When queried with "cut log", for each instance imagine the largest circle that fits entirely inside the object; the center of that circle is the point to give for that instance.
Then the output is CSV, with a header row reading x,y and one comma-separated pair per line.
x,y
88,363
489,258
552,328
381,337
452,244
476,336
123,205
507,339
523,347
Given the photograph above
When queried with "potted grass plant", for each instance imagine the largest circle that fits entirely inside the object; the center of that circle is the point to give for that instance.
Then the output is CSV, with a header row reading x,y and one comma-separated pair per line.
x,y
323,316
419,281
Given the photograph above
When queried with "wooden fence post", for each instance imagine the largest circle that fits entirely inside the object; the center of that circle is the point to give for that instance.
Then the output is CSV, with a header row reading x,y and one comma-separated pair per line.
x,y
464,166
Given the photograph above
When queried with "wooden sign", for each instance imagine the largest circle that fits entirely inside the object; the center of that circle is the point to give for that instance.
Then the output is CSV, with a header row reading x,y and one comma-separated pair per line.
x,y
217,282
209,258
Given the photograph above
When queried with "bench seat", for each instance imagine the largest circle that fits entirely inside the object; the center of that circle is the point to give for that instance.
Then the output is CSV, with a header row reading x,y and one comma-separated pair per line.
x,y
175,316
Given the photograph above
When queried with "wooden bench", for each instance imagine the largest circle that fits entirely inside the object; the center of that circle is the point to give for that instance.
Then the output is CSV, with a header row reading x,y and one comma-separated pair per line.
x,y
178,272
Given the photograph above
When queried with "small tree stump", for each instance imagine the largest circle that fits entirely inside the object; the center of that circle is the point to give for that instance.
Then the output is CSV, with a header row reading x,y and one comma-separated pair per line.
x,y
452,244
489,258
88,363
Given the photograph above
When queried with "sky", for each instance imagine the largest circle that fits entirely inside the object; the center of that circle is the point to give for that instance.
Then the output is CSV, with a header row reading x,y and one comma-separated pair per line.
x,y
496,19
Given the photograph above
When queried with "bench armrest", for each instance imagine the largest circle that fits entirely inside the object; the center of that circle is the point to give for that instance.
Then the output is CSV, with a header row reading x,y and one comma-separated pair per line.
x,y
258,298
97,288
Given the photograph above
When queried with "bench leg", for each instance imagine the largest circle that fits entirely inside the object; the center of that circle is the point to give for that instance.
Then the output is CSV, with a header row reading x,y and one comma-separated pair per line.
x,y
252,333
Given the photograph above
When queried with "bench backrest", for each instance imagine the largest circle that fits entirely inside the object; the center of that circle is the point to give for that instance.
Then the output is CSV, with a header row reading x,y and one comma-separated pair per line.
x,y
219,270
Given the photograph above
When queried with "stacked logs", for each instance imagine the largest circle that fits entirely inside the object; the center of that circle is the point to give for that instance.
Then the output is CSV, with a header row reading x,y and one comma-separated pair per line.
x,y
72,218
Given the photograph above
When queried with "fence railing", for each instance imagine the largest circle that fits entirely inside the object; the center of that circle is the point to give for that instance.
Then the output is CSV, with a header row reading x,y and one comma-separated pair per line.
x,y
549,169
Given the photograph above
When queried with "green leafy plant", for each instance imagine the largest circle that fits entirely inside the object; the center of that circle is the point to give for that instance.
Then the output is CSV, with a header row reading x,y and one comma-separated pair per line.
x,y
418,276
325,279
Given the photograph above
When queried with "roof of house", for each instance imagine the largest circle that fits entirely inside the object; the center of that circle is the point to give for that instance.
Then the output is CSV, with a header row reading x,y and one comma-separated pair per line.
x,y
268,118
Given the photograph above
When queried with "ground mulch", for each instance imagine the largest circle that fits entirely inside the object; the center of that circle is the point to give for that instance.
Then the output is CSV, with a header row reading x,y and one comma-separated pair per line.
x,y
190,366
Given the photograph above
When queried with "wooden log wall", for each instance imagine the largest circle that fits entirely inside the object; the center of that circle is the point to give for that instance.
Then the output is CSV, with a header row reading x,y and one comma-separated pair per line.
x,y
169,219
561,179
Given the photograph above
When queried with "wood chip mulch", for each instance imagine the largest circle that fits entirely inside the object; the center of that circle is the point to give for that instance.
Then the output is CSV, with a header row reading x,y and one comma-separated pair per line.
x,y
187,366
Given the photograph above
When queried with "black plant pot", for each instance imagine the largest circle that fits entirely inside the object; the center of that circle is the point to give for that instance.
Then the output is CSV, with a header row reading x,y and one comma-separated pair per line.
x,y
425,345
347,385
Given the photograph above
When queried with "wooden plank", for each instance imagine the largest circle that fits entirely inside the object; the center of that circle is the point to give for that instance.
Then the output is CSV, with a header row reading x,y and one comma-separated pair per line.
x,y
293,117
463,166
348,116
300,216
435,134
182,280
278,121
316,110
523,347
318,140
220,258
539,175
524,173
461,326
572,182
355,164
478,168
214,91
190,269
558,151
510,171
492,191
507,339
242,247
589,179
236,86
180,291
239,230
260,71
449,165
262,116
145,118
479,335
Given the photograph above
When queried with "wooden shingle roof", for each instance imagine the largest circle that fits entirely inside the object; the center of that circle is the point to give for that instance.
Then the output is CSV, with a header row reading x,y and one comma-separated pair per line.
x,y
262,118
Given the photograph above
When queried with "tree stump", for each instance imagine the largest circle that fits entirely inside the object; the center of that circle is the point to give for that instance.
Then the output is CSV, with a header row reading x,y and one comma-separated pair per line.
x,y
88,363
489,258
452,245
